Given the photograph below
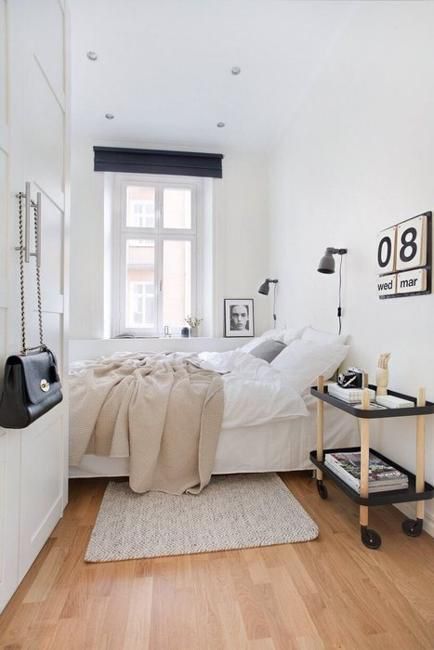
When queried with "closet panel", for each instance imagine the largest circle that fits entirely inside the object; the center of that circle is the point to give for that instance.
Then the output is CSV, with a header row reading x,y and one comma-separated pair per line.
x,y
9,443
9,511
44,141
3,64
53,338
38,144
47,20
51,252
42,471
4,149
9,440
3,560
3,227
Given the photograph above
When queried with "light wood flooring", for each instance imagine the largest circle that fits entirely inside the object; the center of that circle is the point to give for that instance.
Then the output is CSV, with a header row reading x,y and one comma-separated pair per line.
x,y
330,593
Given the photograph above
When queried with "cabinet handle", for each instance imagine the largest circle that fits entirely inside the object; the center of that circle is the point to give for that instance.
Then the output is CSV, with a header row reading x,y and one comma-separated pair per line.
x,y
27,225
38,230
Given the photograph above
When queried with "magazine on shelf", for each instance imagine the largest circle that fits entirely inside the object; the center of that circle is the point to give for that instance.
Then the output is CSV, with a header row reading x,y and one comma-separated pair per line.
x,y
355,485
355,482
382,476
372,405
379,470
373,487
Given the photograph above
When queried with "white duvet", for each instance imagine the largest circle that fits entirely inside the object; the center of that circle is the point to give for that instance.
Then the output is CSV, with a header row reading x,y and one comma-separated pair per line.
x,y
254,391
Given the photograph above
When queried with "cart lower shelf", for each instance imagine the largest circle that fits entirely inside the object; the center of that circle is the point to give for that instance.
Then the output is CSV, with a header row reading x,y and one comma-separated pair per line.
x,y
375,498
421,408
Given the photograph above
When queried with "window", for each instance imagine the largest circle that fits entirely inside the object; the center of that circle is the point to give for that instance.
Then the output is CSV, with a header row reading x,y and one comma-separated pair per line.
x,y
141,304
140,206
155,253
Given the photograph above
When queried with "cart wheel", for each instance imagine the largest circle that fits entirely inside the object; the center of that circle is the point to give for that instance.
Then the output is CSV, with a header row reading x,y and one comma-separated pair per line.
x,y
322,490
370,538
412,527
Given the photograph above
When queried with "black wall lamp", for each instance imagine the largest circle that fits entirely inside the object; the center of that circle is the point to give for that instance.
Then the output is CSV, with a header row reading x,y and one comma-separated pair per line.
x,y
327,265
264,289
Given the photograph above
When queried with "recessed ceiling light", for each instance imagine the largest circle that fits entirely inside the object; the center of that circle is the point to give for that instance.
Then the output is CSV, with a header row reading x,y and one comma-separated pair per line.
x,y
109,116
221,125
92,56
236,70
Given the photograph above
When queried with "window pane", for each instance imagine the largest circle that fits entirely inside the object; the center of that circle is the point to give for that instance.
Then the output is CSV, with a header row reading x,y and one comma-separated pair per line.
x,y
140,207
140,291
176,282
177,208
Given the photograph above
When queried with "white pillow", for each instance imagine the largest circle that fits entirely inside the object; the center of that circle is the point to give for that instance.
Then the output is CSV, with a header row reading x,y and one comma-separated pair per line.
x,y
273,335
311,334
303,361
285,335
292,333
253,343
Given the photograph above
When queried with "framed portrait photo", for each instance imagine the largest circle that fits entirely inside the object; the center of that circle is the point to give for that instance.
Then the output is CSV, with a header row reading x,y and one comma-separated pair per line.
x,y
239,317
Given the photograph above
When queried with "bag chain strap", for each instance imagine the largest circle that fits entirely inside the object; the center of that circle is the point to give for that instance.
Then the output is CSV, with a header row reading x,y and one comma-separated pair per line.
x,y
41,345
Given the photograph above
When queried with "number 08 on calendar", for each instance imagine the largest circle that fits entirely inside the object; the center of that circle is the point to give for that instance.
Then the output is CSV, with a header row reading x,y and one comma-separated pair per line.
x,y
404,258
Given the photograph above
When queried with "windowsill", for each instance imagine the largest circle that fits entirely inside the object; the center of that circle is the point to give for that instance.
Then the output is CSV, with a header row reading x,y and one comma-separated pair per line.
x,y
162,338
93,348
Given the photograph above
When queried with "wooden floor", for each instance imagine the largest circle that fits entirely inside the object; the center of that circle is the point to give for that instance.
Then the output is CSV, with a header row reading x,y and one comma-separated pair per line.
x,y
330,593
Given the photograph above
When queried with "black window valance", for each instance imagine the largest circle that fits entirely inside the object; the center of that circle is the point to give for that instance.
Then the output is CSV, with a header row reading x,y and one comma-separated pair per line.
x,y
153,161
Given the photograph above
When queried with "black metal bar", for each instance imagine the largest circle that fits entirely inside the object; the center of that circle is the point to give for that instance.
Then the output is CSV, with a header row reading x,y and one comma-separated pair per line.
x,y
373,414
375,498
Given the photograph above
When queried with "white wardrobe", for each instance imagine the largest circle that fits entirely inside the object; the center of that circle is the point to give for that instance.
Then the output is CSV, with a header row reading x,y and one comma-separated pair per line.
x,y
34,147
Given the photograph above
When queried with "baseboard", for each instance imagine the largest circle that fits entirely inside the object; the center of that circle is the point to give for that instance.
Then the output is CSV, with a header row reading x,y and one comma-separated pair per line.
x,y
409,509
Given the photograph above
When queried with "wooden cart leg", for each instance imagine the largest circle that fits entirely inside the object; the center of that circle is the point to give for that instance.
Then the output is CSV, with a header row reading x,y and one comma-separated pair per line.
x,y
322,490
414,527
369,537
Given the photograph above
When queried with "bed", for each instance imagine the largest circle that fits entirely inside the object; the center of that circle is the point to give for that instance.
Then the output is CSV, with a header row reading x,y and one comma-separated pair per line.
x,y
275,446
269,422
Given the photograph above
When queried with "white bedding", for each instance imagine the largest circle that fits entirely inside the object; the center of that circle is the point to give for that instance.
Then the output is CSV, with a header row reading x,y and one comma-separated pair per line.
x,y
267,424
275,446
255,392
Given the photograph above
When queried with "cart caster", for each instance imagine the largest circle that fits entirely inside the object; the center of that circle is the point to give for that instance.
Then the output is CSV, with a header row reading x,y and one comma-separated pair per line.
x,y
412,527
322,490
370,538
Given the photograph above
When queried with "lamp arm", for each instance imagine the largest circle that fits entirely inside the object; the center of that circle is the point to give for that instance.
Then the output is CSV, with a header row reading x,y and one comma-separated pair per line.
x,y
274,304
337,251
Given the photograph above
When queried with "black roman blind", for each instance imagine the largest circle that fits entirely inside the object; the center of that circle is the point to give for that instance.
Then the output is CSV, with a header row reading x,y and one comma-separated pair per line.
x,y
153,161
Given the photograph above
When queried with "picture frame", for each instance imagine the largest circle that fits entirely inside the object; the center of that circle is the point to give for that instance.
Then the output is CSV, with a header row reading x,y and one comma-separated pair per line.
x,y
239,318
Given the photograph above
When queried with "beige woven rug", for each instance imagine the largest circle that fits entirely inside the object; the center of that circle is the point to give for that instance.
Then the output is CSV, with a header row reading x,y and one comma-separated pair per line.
x,y
235,511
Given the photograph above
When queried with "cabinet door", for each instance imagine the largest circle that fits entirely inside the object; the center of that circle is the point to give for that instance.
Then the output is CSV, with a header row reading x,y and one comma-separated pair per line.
x,y
9,515
36,122
9,445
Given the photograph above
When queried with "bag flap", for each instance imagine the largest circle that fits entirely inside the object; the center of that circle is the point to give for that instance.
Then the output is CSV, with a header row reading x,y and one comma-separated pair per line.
x,y
39,374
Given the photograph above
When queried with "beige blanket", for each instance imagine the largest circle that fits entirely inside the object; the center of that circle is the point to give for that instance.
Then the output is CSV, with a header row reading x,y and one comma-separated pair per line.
x,y
161,410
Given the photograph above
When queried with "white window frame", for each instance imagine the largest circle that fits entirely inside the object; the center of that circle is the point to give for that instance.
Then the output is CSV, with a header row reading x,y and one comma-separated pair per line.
x,y
143,284
143,203
121,233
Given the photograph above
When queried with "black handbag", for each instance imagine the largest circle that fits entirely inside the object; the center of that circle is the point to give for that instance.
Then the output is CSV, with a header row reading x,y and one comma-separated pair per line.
x,y
31,384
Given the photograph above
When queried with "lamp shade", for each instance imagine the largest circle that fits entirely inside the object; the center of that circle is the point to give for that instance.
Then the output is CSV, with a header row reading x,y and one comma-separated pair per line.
x,y
327,262
264,288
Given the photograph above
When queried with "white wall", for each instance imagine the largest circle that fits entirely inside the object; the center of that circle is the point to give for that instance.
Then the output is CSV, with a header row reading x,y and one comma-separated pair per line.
x,y
241,246
357,158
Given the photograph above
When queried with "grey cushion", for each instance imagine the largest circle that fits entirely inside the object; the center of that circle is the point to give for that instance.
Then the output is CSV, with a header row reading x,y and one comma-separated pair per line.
x,y
268,350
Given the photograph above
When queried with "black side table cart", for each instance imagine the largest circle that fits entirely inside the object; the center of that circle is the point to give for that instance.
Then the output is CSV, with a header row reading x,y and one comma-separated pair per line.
x,y
418,490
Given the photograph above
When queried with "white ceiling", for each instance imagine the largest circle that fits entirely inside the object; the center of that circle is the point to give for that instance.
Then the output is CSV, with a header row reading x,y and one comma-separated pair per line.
x,y
164,68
